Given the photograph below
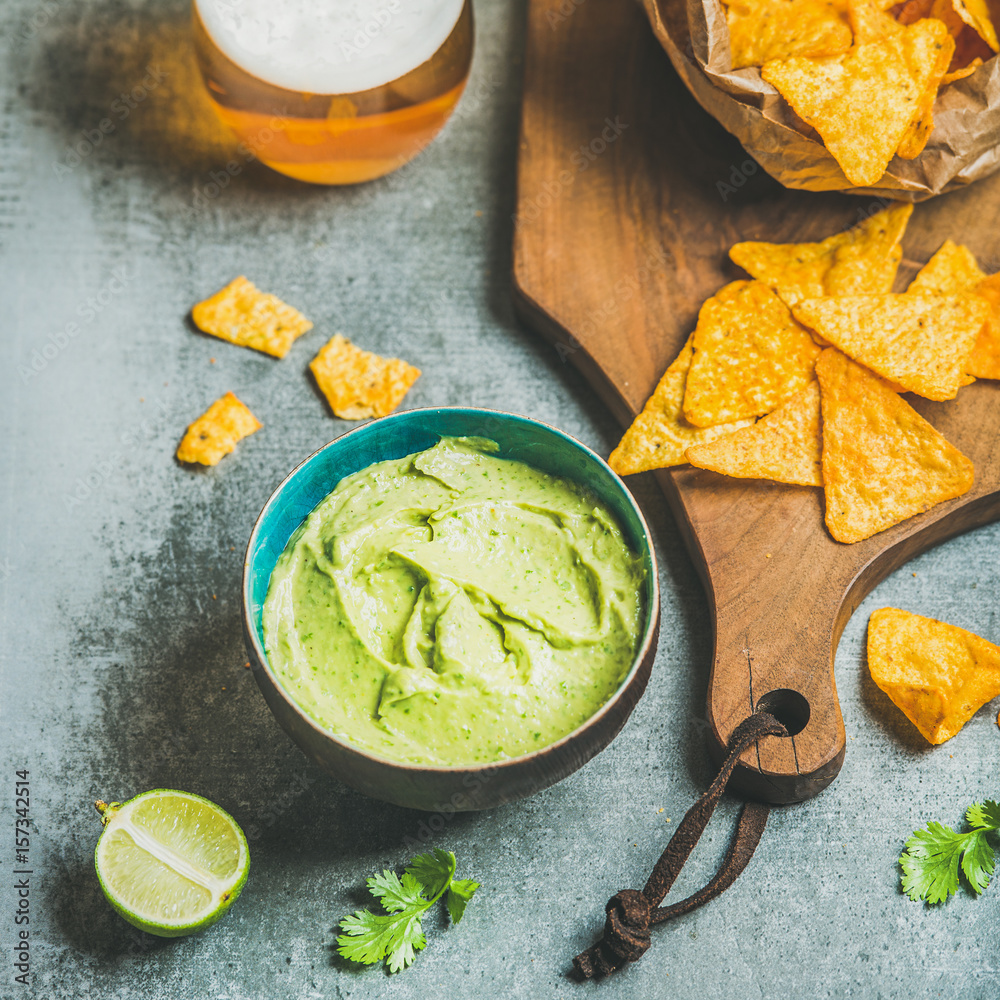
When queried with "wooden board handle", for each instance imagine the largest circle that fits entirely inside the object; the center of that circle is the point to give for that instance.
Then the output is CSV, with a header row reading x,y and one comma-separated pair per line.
x,y
781,593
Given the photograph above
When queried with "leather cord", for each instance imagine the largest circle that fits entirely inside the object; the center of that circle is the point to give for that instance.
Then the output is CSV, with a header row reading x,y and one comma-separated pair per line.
x,y
631,912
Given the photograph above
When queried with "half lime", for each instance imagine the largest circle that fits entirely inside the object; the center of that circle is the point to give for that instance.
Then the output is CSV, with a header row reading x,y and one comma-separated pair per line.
x,y
171,863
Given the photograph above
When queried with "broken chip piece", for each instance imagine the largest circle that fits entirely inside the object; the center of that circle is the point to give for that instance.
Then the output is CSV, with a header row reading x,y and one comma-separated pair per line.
x,y
215,433
916,340
247,317
882,462
858,261
659,436
783,446
750,355
834,94
358,384
938,675
762,30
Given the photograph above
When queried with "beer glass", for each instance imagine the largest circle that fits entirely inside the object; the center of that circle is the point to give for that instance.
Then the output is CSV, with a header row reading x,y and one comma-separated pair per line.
x,y
334,91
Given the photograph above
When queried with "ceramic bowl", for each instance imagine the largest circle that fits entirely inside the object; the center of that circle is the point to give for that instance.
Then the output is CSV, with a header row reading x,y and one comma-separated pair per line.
x,y
443,789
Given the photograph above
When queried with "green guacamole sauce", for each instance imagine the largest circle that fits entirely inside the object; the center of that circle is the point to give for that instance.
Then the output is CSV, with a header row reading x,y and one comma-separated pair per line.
x,y
454,608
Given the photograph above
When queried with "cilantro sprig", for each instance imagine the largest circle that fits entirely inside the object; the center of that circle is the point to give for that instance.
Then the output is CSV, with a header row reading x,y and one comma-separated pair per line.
x,y
935,855
396,935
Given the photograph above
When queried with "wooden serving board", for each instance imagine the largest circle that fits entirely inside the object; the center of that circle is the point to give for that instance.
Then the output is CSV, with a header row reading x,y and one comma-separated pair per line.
x,y
629,196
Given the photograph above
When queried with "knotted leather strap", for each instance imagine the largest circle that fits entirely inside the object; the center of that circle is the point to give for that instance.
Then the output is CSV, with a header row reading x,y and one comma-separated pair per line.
x,y
631,913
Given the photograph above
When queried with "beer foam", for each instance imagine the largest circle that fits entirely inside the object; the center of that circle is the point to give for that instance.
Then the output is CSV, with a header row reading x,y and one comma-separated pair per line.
x,y
329,46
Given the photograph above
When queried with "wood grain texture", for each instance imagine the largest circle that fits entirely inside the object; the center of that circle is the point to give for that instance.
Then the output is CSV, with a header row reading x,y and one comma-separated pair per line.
x,y
629,196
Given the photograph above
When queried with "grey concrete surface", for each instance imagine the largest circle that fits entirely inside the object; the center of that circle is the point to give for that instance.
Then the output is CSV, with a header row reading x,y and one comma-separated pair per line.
x,y
121,665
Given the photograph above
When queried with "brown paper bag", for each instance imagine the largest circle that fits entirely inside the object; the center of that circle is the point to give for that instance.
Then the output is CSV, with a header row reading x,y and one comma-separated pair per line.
x,y
963,146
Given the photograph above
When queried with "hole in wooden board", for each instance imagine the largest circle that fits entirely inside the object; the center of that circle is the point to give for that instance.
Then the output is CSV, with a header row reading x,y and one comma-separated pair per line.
x,y
789,707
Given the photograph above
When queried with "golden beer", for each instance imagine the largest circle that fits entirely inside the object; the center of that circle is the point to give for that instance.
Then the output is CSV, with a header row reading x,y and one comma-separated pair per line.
x,y
334,91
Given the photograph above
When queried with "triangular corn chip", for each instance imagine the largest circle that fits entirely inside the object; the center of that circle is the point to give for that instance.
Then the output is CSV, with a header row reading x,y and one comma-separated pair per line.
x,y
750,355
919,341
938,675
761,30
968,22
976,14
984,360
250,318
783,446
358,384
835,95
870,20
951,271
882,462
659,436
215,433
858,261
919,131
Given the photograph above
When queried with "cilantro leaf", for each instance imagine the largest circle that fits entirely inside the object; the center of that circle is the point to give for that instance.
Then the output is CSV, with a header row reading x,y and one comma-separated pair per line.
x,y
369,937
397,895
934,856
435,870
459,893
984,815
397,935
978,861
930,863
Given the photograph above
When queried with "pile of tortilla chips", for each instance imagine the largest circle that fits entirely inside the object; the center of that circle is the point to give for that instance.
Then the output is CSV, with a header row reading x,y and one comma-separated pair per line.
x,y
796,376
937,674
863,74
356,383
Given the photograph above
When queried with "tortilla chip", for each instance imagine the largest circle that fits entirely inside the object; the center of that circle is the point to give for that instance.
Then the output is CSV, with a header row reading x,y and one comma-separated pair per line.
x,y
882,462
837,94
750,355
215,433
247,317
984,359
961,74
358,384
870,20
858,261
937,675
951,271
761,30
919,341
659,436
783,446
919,131
975,13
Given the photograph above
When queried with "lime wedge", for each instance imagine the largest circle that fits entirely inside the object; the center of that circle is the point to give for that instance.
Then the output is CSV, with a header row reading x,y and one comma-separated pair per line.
x,y
171,863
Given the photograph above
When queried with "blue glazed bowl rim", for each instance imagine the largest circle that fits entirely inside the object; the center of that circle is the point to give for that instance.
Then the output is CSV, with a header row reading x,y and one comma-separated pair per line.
x,y
648,552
